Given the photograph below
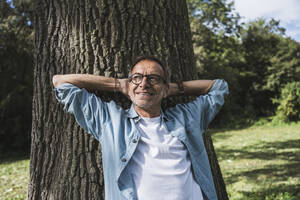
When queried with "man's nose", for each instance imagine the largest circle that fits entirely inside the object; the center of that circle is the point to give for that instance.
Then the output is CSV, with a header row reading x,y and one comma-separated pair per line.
x,y
144,83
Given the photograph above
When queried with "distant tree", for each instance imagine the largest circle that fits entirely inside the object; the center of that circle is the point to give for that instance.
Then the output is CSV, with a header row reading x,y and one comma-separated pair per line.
x,y
216,15
284,66
16,75
260,42
215,31
283,79
255,58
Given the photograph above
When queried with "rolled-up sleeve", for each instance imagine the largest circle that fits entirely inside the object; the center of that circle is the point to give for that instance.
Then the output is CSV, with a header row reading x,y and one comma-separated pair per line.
x,y
88,109
205,107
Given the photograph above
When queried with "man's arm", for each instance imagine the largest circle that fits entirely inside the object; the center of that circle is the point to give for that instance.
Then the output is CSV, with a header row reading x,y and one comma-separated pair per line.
x,y
90,112
204,108
195,87
92,82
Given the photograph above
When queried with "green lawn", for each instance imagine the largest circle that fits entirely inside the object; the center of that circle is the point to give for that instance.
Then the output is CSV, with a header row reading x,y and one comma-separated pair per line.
x,y
260,163
14,174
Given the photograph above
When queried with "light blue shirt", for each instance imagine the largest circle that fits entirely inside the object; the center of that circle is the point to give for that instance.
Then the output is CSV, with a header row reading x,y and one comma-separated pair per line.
x,y
116,130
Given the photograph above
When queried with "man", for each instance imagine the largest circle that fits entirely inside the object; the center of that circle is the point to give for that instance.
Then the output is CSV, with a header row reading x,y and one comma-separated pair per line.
x,y
147,153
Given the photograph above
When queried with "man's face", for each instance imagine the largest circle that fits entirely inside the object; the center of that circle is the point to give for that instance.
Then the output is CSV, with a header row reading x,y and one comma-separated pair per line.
x,y
146,95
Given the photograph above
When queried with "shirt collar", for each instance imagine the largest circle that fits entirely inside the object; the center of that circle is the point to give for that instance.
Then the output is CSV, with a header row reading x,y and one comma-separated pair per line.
x,y
132,114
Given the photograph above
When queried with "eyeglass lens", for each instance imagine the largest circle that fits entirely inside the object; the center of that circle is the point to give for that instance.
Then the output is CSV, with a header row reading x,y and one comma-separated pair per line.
x,y
151,78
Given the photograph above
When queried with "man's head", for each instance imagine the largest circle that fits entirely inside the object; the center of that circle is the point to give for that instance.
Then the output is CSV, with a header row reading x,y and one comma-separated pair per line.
x,y
154,59
148,83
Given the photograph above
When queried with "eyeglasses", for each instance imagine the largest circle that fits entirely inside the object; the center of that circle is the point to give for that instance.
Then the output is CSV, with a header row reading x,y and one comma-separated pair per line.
x,y
152,79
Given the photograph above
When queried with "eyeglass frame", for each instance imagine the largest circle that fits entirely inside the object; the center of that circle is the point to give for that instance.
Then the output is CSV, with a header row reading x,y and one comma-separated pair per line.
x,y
162,79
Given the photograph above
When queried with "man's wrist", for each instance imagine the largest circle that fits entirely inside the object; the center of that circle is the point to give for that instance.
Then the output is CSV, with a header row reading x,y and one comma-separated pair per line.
x,y
180,87
173,89
116,85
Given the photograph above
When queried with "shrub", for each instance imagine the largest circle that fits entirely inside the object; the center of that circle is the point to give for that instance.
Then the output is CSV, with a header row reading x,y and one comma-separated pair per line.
x,y
289,103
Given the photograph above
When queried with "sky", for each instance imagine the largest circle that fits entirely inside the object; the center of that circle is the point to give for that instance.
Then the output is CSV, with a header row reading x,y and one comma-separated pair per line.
x,y
287,11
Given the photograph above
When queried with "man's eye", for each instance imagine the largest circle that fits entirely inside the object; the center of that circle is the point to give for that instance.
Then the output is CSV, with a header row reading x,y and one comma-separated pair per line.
x,y
137,77
156,78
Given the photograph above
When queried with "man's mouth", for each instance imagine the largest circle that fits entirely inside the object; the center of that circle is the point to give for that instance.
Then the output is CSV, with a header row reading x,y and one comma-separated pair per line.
x,y
144,93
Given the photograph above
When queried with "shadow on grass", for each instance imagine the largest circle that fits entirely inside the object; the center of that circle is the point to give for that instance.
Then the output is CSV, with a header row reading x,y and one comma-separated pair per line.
x,y
288,151
275,172
10,157
292,190
220,136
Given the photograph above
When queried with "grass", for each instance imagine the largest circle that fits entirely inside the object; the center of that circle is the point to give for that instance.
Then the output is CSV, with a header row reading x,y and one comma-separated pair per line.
x,y
261,162
258,163
14,175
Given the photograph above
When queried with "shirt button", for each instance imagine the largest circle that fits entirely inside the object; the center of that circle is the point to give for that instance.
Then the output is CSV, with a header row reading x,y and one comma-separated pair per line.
x,y
134,140
123,159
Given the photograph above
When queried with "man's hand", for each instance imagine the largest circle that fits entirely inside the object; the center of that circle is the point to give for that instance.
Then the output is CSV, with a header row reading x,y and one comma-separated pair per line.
x,y
122,86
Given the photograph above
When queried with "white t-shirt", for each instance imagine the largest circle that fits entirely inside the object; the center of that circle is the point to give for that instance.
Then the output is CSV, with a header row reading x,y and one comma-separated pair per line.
x,y
160,166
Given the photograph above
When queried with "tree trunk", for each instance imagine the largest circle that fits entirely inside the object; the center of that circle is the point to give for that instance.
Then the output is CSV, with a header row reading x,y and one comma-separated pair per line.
x,y
97,37
215,168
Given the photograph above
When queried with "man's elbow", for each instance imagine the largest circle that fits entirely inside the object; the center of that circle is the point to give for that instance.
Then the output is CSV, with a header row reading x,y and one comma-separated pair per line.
x,y
57,80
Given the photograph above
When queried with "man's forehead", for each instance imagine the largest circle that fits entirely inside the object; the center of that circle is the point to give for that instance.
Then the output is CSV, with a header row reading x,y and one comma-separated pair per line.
x,y
148,65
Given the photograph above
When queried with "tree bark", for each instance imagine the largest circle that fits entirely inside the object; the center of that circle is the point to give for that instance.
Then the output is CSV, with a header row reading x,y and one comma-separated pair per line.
x,y
215,168
97,37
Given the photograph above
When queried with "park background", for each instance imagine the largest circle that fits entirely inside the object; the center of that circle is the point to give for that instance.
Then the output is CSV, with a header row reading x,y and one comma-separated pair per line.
x,y
256,135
